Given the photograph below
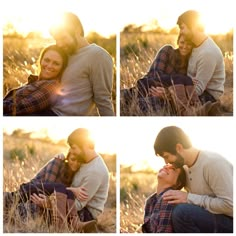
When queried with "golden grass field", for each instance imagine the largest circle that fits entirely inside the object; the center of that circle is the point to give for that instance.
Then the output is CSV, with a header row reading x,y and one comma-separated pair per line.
x,y
23,157
137,51
20,56
135,187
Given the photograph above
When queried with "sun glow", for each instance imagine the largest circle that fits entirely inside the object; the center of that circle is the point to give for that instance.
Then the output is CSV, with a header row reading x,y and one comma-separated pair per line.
x,y
26,17
27,21
103,133
136,145
217,17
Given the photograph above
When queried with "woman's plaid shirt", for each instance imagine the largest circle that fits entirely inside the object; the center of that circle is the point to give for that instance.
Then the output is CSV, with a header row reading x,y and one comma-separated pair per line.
x,y
35,96
167,61
157,215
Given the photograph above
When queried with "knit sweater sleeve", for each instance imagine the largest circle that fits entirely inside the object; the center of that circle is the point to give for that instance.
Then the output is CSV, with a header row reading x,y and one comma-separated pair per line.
x,y
206,67
102,80
219,177
94,178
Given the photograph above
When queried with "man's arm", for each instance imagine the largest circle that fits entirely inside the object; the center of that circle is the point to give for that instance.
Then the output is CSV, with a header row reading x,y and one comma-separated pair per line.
x,y
205,70
219,177
102,82
91,184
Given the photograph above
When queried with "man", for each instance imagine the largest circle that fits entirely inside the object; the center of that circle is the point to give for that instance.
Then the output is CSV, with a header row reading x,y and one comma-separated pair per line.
x,y
206,63
86,84
91,182
93,175
207,206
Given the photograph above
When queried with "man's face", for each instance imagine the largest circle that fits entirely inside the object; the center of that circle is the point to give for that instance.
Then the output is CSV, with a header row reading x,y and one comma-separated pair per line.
x,y
78,153
67,42
186,32
176,160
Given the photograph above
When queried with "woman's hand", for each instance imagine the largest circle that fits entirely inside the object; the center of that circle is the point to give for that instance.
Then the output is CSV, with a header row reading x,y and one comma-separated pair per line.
x,y
79,192
41,200
157,92
60,156
195,81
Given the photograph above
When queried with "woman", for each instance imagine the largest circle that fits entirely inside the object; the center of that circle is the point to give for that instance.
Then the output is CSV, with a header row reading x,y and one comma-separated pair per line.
x,y
157,215
52,181
41,91
167,81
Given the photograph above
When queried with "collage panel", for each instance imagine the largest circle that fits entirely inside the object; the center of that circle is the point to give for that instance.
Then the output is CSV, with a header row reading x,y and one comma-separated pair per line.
x,y
177,61
176,176
127,172
59,177
60,64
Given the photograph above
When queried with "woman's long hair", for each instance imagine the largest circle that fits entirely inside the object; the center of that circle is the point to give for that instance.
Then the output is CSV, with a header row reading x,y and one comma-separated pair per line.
x,y
66,174
59,50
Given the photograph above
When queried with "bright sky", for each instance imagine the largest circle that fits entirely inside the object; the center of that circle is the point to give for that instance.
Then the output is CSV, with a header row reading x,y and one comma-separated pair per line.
x,y
138,136
133,138
218,16
108,17
30,15
102,130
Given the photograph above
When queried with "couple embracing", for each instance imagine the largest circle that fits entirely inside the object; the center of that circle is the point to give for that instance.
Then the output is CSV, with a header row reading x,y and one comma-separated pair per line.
x,y
185,81
72,189
75,78
206,205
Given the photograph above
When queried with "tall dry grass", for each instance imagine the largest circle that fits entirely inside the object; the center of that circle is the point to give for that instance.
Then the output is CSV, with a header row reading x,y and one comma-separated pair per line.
x,y
135,187
23,157
20,58
137,53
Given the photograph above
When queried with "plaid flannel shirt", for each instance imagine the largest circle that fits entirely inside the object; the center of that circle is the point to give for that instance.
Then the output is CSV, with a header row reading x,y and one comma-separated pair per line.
x,y
35,96
51,172
167,62
157,215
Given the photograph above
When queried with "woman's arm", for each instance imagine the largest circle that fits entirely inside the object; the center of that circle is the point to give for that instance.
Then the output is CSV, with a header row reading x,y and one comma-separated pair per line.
x,y
33,98
52,169
160,63
49,172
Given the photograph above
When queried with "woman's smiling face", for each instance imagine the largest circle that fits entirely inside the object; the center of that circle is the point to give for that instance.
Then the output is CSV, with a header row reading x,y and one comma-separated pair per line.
x,y
73,162
169,174
185,46
51,65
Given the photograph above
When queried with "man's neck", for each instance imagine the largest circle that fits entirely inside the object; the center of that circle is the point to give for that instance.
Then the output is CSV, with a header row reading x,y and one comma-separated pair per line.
x,y
90,156
191,156
82,42
199,39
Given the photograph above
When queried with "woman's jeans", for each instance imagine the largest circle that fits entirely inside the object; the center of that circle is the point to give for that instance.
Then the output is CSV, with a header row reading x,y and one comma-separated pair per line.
x,y
188,218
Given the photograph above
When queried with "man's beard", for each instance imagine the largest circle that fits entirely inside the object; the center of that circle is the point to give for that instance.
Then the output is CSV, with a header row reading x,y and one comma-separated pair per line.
x,y
81,157
71,49
179,161
188,36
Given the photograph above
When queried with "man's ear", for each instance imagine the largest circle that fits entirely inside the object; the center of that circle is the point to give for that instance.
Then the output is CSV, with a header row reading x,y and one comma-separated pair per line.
x,y
179,148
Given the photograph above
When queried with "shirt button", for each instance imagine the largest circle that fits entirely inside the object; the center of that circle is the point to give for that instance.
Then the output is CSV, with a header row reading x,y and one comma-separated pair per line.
x,y
190,179
189,172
